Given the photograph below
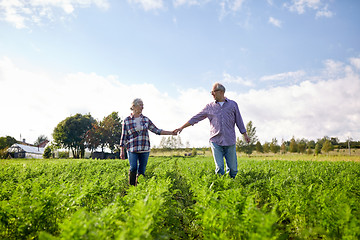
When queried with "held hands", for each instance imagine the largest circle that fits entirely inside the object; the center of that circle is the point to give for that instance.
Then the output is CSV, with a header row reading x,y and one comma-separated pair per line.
x,y
177,131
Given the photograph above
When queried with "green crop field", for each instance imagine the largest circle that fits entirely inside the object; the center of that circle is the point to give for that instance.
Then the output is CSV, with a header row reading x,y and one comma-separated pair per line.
x,y
180,198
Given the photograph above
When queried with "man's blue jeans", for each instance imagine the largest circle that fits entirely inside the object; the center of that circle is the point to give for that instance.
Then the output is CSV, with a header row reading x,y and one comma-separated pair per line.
x,y
229,152
138,161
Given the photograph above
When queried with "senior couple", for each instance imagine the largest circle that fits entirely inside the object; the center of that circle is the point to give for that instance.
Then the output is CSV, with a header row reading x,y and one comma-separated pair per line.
x,y
223,115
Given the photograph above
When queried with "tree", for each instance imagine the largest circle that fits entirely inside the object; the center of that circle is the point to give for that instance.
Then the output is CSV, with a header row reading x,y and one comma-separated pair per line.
x,y
47,152
112,125
6,142
40,139
283,148
334,141
93,136
266,147
293,147
106,133
311,144
309,150
274,147
70,133
242,145
171,142
327,146
302,146
258,147
317,148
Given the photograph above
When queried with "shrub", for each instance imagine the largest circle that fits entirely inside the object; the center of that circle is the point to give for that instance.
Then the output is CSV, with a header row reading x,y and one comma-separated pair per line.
x,y
4,153
47,152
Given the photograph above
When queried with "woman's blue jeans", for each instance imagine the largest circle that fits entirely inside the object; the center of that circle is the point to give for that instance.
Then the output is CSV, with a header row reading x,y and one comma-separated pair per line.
x,y
138,161
229,152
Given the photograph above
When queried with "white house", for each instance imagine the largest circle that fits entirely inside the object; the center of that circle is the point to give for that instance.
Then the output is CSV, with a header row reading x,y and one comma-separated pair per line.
x,y
19,150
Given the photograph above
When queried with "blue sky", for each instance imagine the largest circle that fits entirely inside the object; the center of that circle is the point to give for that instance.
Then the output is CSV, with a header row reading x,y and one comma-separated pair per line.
x,y
292,66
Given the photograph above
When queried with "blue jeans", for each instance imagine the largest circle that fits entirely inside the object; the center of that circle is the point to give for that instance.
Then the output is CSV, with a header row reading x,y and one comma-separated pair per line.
x,y
138,161
229,152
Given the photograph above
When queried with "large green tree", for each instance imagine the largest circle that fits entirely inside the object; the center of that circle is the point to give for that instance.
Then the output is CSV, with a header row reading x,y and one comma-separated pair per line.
x,y
70,133
112,125
93,136
105,133
6,142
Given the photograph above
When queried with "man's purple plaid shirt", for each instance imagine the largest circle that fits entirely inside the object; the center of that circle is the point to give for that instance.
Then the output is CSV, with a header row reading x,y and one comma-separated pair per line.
x,y
222,121
137,141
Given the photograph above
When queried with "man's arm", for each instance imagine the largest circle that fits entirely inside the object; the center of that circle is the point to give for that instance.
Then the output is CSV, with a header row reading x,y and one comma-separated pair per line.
x,y
178,131
195,119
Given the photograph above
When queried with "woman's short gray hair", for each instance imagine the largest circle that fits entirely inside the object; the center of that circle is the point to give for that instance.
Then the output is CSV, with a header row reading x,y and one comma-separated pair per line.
x,y
136,102
219,86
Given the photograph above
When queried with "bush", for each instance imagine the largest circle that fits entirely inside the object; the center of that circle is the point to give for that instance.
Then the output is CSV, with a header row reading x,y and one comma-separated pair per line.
x,y
47,152
4,153
63,154
194,152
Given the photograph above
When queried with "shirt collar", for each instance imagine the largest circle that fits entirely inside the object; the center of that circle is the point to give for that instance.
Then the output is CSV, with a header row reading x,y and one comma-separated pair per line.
x,y
226,100
132,116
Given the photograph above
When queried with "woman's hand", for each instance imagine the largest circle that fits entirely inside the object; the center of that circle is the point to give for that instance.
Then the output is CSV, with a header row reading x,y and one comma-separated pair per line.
x,y
122,153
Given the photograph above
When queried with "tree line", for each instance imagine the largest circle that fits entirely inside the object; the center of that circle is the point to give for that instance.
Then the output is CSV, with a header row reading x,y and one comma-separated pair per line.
x,y
322,145
79,132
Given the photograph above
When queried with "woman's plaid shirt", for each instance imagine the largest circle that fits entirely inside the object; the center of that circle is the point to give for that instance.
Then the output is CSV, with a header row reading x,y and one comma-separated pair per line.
x,y
137,141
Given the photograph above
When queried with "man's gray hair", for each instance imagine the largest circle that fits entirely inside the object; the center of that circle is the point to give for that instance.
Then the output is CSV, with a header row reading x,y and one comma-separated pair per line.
x,y
136,102
219,86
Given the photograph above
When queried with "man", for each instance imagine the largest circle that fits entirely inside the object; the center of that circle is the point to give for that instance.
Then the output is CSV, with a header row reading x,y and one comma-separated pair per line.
x,y
223,114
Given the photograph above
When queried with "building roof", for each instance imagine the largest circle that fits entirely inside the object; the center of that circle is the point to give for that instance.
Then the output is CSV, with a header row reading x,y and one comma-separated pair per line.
x,y
17,147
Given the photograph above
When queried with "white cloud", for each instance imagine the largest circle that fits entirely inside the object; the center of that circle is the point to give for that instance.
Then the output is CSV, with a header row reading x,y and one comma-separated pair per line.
x,y
300,6
236,5
284,76
20,13
275,22
33,103
309,110
324,13
227,78
178,3
148,5
38,101
333,68
230,6
355,62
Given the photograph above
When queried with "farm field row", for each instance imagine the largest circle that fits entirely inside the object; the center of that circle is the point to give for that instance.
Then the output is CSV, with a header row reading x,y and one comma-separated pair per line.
x,y
180,198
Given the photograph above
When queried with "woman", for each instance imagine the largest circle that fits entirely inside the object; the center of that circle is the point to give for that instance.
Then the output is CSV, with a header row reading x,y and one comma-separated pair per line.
x,y
135,138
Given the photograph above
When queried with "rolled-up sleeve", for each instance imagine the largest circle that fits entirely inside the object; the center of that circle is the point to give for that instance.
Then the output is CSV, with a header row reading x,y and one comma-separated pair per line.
x,y
153,128
238,119
123,138
199,117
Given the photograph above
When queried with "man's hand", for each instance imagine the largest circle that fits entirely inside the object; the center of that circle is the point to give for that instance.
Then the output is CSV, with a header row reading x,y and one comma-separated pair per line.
x,y
246,137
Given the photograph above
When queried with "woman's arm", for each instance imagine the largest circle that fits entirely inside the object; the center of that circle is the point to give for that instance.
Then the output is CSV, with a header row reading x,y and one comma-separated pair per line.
x,y
122,153
163,132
